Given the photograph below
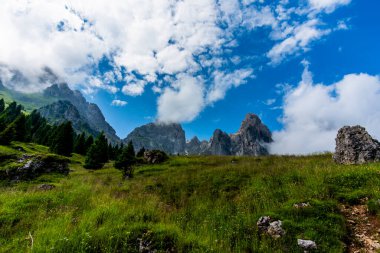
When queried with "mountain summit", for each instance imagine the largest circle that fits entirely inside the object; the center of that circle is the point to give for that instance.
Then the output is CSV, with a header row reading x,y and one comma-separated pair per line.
x,y
251,139
90,113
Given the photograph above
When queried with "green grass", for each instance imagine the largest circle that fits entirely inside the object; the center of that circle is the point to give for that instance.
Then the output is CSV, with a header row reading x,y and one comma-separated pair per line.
x,y
188,204
30,101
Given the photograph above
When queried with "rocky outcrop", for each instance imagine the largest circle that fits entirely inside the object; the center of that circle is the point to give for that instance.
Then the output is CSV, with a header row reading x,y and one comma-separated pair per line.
x,y
28,167
169,138
88,111
355,146
155,156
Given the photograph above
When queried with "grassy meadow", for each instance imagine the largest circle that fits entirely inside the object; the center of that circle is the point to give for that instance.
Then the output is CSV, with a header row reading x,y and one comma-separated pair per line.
x,y
187,204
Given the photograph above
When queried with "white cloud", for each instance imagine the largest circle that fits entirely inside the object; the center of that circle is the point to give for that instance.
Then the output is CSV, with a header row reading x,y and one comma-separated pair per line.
x,y
328,5
182,102
300,39
313,113
134,89
117,102
225,81
147,43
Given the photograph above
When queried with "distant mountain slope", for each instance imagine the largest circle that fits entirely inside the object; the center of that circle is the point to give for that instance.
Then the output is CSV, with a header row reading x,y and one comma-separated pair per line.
x,y
84,115
61,111
30,101
251,139
88,111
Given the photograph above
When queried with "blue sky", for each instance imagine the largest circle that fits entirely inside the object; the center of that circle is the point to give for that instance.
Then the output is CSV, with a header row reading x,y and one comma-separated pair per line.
x,y
207,63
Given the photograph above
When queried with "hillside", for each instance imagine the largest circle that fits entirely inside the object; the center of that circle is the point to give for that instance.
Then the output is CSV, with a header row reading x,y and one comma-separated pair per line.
x,y
58,103
188,204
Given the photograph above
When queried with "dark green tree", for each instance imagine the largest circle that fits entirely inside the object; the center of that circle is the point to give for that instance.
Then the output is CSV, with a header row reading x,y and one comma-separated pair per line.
x,y
88,143
126,160
141,152
20,129
62,140
7,135
2,105
80,144
97,155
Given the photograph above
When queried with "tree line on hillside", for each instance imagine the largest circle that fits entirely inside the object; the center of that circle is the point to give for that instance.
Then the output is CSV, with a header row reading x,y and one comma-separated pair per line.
x,y
62,140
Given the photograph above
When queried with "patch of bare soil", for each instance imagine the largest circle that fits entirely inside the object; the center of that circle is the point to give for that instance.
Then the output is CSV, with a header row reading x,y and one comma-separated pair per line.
x,y
364,229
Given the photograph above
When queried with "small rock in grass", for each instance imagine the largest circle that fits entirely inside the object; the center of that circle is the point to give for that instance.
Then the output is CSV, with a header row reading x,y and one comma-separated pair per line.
x,y
46,187
301,205
306,244
275,229
270,227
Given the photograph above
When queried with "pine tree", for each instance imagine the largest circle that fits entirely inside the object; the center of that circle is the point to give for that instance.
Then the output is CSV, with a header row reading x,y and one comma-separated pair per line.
x,y
88,143
19,126
7,135
2,105
126,160
97,155
141,152
80,144
62,142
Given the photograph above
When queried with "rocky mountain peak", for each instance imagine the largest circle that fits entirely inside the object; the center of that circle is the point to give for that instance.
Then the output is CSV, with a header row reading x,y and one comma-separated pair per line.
x,y
166,137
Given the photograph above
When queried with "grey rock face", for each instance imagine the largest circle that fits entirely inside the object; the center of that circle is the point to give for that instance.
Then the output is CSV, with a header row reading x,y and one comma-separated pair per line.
x,y
355,146
306,244
250,140
88,111
155,156
220,143
61,111
251,137
169,138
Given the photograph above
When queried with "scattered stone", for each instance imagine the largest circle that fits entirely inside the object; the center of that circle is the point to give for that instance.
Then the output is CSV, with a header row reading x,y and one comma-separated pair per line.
x,y
24,157
306,244
271,227
301,205
46,187
263,223
355,146
275,229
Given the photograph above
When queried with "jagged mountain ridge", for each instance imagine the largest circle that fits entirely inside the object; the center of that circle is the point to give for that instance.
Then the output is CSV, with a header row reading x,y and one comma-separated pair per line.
x,y
251,139
58,103
90,114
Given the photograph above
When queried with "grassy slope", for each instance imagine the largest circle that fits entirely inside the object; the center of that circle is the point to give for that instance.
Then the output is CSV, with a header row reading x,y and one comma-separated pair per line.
x,y
199,204
29,101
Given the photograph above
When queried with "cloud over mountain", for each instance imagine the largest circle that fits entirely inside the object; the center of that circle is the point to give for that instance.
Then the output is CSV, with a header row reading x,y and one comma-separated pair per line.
x,y
152,44
313,113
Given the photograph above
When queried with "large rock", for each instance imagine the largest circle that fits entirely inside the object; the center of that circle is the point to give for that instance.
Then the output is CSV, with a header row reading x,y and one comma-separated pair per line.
x,y
355,146
169,138
271,227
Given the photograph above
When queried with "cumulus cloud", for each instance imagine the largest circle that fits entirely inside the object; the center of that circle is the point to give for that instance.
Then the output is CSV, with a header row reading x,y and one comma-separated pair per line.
x,y
182,102
148,43
117,102
328,5
313,113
